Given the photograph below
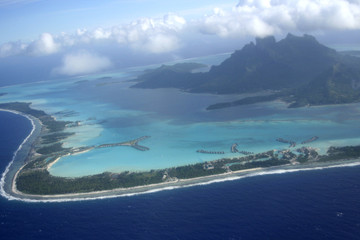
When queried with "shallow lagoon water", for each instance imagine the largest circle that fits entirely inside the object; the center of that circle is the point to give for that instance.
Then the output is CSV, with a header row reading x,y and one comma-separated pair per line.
x,y
110,111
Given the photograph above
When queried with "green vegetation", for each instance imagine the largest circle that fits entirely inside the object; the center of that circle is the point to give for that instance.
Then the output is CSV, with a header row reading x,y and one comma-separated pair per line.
x,y
41,182
168,76
245,101
178,68
55,137
49,122
49,145
301,70
339,85
41,162
51,149
35,179
194,170
336,153
266,65
257,164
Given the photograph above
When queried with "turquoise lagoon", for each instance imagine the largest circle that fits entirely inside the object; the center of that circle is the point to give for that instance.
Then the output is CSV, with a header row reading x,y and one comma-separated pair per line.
x,y
110,111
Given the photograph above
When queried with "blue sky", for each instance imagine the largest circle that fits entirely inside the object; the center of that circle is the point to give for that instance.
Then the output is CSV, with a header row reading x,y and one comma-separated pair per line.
x,y
27,19
66,38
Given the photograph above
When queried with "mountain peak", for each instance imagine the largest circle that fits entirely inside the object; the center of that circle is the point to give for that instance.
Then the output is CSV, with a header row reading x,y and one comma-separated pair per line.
x,y
290,36
264,65
265,42
305,37
310,37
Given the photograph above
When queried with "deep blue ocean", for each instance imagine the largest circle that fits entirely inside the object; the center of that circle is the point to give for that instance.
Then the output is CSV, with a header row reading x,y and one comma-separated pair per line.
x,y
322,204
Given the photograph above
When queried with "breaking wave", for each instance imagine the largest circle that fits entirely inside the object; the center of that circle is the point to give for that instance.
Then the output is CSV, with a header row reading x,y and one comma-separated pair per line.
x,y
149,191
7,169
155,190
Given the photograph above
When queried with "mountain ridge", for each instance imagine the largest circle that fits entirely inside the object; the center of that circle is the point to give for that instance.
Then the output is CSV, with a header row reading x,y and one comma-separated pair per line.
x,y
293,66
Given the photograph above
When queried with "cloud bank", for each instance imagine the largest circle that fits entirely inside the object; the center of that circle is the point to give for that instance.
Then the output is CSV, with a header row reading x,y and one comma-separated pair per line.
x,y
45,45
267,17
257,18
151,35
82,62
173,34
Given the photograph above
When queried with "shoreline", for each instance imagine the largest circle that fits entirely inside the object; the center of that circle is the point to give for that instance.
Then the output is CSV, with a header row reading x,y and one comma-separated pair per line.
x,y
27,141
52,163
14,194
181,183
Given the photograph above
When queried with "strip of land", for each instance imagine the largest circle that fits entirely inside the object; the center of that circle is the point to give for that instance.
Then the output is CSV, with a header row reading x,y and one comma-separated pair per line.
x,y
182,182
32,180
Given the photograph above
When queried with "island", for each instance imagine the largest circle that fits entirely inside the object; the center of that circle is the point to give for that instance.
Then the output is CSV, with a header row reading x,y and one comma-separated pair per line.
x,y
34,181
297,70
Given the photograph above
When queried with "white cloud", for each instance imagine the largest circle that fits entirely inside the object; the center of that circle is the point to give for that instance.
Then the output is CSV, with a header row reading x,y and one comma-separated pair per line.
x,y
100,33
151,35
147,34
66,40
173,21
326,14
83,62
257,18
268,17
12,48
45,45
240,22
160,43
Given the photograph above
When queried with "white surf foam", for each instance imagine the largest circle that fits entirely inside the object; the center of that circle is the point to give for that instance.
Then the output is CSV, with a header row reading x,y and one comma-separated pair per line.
x,y
7,169
168,188
150,191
